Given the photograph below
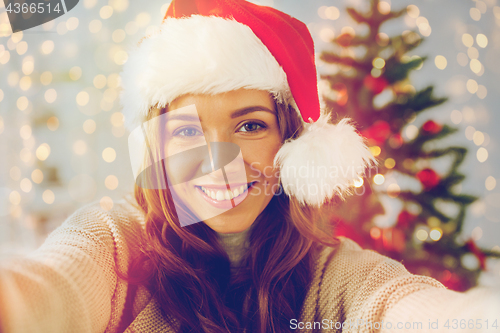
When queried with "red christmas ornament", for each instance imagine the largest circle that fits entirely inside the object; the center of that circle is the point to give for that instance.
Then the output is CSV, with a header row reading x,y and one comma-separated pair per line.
x,y
377,133
471,245
429,178
375,84
405,219
432,127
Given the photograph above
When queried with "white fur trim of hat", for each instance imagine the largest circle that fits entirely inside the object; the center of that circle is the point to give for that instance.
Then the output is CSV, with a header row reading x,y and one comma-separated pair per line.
x,y
211,55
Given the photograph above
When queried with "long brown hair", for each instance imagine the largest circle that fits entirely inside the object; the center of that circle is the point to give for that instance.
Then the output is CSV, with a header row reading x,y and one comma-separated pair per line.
x,y
187,270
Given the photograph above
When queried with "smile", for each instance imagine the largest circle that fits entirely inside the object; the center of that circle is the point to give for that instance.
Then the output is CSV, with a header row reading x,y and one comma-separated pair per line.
x,y
225,198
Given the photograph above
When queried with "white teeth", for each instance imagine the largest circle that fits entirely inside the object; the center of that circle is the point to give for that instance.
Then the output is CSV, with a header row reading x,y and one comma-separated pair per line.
x,y
222,195
219,196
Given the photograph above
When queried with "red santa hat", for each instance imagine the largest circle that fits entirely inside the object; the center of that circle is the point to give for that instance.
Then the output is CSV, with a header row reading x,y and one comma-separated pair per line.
x,y
216,46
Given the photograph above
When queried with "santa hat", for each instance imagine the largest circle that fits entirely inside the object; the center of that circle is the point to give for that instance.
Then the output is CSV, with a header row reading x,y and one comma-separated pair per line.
x,y
216,46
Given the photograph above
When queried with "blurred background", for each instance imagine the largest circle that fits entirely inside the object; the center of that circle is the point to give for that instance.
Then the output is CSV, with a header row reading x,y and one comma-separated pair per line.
x,y
63,143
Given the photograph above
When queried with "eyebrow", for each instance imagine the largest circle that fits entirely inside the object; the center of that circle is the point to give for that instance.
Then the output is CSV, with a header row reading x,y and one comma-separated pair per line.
x,y
244,111
186,117
235,114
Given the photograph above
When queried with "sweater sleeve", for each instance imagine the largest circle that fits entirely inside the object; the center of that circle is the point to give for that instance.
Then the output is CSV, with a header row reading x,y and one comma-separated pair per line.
x,y
368,292
68,284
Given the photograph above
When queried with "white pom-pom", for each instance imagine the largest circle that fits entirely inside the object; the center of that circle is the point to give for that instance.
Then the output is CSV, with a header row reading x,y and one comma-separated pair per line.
x,y
324,161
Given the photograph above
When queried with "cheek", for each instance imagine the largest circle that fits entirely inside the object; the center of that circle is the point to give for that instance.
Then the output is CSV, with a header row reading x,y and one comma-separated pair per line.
x,y
260,156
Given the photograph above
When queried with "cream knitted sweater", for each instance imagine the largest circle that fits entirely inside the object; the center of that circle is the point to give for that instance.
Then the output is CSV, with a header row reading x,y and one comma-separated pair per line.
x,y
69,285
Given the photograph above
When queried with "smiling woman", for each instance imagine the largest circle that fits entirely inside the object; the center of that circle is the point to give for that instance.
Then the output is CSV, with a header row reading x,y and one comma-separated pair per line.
x,y
246,118
222,233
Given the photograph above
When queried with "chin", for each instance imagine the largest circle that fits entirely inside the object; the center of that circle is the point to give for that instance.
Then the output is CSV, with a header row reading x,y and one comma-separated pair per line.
x,y
234,223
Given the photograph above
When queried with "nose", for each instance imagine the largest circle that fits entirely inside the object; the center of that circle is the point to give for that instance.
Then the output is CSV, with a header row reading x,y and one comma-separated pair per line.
x,y
222,154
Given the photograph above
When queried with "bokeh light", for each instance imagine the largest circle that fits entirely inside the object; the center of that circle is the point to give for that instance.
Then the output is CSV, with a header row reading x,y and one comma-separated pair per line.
x,y
106,203
50,96
53,123
118,35
48,197
37,176
117,119
46,78
15,198
111,182
482,154
440,62
106,12
75,73
99,81
478,138
435,234
490,183
25,132
43,152
89,126
411,132
413,11
467,40
472,86
80,147
422,235
109,154
378,179
72,23
26,185
22,103
456,117
482,40
95,26
47,47
472,52
359,182
82,98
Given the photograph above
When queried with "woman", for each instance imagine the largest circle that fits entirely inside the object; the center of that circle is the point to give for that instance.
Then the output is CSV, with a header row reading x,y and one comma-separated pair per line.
x,y
232,161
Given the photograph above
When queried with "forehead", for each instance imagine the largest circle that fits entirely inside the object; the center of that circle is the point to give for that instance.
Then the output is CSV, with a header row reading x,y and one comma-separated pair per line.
x,y
225,102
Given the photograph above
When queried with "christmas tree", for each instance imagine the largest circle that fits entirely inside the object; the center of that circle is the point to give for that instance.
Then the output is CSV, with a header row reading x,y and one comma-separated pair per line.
x,y
375,91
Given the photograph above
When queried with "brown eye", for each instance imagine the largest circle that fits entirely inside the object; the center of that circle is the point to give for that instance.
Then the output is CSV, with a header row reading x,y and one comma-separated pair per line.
x,y
251,127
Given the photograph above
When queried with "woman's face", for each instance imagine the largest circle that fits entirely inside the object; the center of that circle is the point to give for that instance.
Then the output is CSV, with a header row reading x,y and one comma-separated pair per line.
x,y
220,197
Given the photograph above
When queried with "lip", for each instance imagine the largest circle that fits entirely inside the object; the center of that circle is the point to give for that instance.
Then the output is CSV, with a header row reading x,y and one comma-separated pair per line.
x,y
226,204
223,186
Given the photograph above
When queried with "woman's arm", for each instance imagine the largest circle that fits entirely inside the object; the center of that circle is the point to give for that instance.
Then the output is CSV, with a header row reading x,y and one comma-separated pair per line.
x,y
442,310
365,291
68,284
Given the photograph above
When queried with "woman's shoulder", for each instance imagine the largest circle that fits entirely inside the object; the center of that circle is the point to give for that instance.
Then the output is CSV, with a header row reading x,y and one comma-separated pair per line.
x,y
349,263
120,221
